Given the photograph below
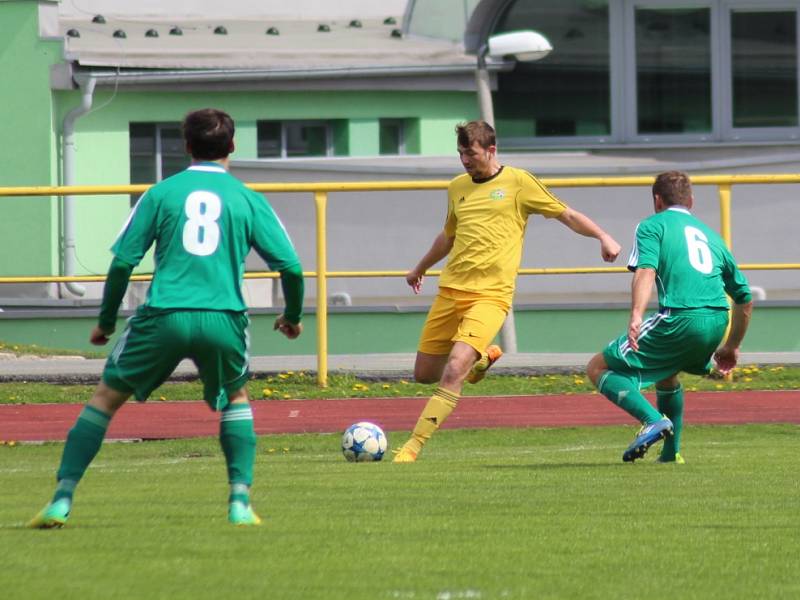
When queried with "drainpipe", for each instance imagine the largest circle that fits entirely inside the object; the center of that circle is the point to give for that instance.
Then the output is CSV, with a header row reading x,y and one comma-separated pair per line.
x,y
68,154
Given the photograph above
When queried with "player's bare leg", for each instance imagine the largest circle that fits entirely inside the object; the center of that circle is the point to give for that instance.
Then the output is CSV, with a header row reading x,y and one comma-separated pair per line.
x,y
442,402
429,368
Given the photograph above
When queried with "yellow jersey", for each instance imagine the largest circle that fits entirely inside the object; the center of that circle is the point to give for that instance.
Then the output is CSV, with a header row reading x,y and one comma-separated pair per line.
x,y
488,220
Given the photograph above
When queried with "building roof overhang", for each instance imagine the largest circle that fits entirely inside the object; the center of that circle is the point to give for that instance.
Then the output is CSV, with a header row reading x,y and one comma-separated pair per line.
x,y
372,55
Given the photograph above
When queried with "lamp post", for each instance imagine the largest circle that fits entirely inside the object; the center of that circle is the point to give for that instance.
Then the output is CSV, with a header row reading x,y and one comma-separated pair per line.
x,y
526,46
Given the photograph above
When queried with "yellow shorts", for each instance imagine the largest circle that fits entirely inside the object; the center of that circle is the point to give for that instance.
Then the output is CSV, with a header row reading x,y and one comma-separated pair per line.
x,y
459,316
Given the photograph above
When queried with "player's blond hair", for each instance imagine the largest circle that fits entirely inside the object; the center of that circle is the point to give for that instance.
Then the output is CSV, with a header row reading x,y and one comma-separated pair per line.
x,y
674,188
475,131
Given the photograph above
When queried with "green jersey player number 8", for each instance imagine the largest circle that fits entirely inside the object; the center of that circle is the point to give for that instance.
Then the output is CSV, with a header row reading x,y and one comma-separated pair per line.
x,y
201,232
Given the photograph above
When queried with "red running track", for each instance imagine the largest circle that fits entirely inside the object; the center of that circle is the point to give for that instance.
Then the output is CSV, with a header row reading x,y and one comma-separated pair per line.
x,y
161,420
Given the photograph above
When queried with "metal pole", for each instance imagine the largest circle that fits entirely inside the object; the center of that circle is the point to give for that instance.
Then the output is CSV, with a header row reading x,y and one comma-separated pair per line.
x,y
725,214
725,232
484,87
508,333
321,200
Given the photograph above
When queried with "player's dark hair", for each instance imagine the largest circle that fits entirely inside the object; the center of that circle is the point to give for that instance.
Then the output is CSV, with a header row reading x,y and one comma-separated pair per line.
x,y
674,188
475,131
208,133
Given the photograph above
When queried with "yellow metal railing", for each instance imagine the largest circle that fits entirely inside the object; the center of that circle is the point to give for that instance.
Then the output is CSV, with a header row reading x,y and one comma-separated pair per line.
x,y
321,191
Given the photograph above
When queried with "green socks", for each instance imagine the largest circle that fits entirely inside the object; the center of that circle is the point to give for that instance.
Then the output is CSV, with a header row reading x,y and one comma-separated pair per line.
x,y
83,443
670,403
238,440
625,394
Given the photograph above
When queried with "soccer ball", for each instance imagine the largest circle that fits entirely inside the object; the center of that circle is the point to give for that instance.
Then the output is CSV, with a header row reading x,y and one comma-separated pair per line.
x,y
364,442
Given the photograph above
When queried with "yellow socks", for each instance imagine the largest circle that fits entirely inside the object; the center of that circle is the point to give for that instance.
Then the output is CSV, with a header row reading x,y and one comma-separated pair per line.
x,y
438,408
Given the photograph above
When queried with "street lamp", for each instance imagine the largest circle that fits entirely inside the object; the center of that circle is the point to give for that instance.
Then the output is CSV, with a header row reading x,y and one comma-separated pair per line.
x,y
525,46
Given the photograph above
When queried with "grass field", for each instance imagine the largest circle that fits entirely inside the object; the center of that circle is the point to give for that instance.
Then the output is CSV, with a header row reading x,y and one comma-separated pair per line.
x,y
517,514
506,514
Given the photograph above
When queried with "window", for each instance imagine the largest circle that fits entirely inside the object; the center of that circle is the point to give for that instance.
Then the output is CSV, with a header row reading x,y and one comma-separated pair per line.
x,y
287,139
665,71
673,70
392,137
568,92
156,152
764,68
270,140
142,147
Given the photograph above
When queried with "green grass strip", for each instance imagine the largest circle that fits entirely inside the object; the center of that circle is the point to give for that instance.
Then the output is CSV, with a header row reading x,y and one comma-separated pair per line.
x,y
302,385
485,514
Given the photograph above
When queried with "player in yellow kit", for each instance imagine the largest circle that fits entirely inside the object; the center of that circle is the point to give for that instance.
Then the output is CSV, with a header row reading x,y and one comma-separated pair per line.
x,y
487,213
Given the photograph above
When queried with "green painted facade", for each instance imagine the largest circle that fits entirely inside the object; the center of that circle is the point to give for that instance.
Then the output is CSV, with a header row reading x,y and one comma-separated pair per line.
x,y
538,331
103,153
30,229
364,136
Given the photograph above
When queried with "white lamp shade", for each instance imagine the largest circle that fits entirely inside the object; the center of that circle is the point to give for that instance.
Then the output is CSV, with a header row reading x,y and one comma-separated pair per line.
x,y
522,45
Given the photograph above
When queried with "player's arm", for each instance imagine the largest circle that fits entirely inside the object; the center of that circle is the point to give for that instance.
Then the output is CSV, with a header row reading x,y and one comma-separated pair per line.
x,y
727,355
293,286
641,290
119,274
136,237
737,288
580,223
272,243
440,248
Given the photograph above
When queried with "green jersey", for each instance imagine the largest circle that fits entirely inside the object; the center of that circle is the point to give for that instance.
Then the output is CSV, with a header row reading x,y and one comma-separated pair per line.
x,y
204,222
694,268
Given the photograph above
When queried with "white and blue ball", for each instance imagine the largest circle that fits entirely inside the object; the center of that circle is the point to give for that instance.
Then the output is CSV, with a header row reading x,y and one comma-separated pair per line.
x,y
364,442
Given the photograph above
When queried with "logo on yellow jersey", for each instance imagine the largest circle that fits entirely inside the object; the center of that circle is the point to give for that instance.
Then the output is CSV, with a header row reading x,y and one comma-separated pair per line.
x,y
497,194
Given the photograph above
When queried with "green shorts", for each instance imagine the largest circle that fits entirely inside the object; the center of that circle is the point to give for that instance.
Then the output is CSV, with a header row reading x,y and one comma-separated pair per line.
x,y
150,348
670,341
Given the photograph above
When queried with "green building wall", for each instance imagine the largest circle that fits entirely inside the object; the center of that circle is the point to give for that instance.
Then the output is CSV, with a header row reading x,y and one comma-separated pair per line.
x,y
29,226
547,330
103,154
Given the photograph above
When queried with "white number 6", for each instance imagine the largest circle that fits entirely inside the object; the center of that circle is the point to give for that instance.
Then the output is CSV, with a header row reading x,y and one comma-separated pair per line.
x,y
201,232
699,253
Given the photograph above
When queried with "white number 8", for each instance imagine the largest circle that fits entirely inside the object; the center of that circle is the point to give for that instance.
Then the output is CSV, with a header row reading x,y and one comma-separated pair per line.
x,y
201,232
699,253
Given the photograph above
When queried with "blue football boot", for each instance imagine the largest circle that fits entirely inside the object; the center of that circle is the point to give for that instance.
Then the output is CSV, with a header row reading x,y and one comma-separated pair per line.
x,y
647,436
